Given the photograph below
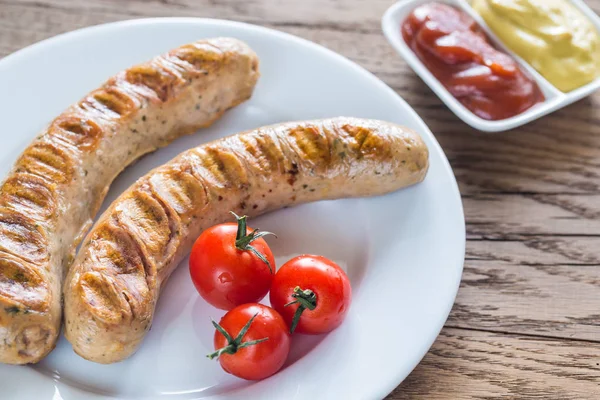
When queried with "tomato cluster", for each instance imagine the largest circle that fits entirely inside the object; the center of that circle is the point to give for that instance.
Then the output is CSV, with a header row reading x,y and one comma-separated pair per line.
x,y
233,268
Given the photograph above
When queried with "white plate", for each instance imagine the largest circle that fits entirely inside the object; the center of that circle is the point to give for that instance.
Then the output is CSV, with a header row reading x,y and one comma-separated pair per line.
x,y
555,99
404,252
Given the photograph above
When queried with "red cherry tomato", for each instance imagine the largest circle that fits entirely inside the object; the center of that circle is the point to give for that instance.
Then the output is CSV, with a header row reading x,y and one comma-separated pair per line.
x,y
231,265
252,341
319,292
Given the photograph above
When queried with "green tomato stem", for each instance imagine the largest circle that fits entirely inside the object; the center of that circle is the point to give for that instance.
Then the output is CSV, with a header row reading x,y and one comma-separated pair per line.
x,y
233,345
243,240
306,299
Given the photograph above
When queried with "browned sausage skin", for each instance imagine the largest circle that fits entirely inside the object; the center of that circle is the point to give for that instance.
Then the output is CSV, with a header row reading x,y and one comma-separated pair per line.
x,y
57,185
112,289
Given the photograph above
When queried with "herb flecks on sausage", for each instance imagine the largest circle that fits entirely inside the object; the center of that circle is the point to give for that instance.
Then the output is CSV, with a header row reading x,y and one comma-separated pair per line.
x,y
112,289
59,182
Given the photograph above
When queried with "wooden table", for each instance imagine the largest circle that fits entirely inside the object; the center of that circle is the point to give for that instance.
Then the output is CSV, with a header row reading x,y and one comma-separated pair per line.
x,y
526,323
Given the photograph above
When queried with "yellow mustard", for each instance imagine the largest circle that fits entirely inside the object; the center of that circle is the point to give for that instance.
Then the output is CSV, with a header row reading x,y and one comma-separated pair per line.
x,y
557,39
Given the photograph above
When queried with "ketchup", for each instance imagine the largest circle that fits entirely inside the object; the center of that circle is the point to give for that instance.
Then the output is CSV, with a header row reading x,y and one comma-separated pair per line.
x,y
458,53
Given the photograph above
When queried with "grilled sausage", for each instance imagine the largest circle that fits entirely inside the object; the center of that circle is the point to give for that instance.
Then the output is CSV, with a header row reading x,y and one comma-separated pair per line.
x,y
112,288
48,200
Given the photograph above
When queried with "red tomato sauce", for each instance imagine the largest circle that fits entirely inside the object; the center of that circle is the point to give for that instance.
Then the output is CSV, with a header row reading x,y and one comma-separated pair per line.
x,y
458,53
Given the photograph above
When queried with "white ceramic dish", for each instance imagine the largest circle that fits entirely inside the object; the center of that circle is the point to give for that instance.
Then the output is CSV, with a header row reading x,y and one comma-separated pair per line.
x,y
555,99
404,252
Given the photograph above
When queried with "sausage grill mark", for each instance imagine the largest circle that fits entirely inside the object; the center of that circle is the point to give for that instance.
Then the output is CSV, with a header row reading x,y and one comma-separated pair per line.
x,y
58,183
163,212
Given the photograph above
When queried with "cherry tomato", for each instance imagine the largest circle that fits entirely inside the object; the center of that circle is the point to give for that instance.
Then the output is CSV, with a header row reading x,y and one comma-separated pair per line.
x,y
231,264
252,341
312,293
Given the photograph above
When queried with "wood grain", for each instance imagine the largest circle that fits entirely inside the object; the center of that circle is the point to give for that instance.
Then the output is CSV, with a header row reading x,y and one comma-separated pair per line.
x,y
513,215
526,323
558,301
465,364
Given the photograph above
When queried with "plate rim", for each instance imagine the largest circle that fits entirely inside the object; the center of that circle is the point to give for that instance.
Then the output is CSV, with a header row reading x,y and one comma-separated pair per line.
x,y
384,388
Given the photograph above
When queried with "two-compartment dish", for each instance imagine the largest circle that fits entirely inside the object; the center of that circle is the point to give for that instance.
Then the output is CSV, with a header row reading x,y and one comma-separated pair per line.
x,y
580,83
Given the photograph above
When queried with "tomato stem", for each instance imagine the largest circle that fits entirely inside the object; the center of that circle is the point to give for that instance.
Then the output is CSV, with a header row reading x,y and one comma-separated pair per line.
x,y
233,345
306,299
243,240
